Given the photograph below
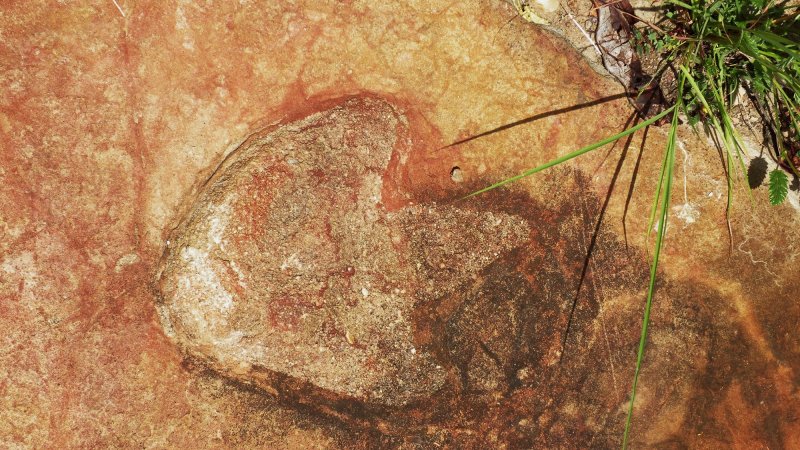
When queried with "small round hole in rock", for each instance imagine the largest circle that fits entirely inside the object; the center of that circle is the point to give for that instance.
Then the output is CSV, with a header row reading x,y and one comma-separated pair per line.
x,y
456,175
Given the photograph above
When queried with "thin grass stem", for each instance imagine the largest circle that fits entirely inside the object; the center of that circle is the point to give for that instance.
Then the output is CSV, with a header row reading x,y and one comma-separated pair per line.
x,y
574,154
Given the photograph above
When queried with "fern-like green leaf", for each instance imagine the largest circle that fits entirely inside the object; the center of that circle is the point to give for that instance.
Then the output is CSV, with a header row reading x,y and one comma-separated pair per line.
x,y
778,186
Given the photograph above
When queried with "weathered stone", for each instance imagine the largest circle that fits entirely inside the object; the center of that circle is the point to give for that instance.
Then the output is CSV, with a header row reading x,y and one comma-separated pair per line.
x,y
290,262
112,119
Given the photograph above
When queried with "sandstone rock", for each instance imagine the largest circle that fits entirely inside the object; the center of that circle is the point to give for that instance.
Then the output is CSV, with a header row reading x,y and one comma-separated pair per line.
x,y
109,122
290,263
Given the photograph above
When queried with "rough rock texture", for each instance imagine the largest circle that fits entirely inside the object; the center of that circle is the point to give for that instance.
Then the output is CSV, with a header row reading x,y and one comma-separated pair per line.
x,y
291,264
112,120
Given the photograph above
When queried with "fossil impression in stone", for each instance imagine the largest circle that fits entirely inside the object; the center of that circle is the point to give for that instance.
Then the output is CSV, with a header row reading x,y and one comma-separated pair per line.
x,y
289,262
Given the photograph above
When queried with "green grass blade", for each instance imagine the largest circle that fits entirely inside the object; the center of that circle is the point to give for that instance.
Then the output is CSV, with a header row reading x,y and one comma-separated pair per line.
x,y
699,93
656,198
669,159
791,106
720,130
733,142
779,42
574,154
680,3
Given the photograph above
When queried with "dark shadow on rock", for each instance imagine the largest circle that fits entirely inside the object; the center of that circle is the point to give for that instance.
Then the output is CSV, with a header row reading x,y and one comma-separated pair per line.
x,y
632,186
757,172
633,120
536,117
795,186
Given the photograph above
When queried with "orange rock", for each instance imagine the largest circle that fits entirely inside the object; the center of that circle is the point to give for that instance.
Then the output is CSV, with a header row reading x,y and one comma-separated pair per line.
x,y
111,121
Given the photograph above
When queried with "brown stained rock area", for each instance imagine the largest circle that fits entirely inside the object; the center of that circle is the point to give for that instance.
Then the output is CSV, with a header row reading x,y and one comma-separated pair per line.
x,y
111,123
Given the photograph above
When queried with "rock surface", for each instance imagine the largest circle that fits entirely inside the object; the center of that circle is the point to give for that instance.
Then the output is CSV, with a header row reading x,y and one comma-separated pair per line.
x,y
113,119
290,263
